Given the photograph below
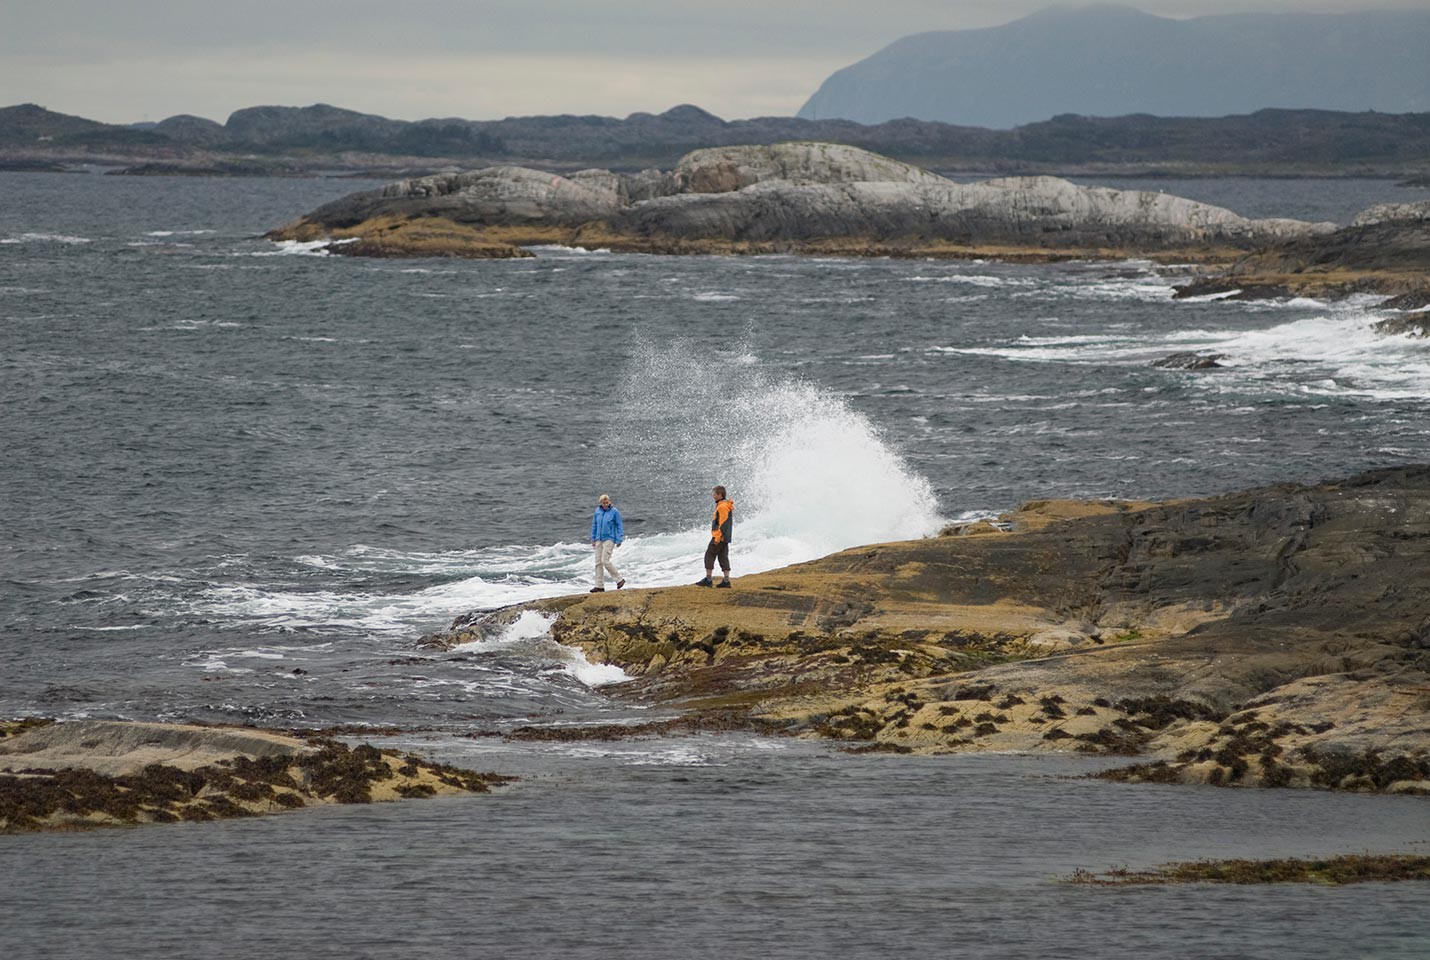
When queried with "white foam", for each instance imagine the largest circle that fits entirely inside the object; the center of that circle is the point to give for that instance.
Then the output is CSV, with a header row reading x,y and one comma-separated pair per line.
x,y
47,238
975,280
1343,345
302,248
214,663
556,249
809,475
1144,289
714,296
1334,352
532,627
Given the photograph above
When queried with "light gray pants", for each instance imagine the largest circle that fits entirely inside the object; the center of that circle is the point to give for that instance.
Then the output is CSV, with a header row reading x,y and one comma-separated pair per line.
x,y
604,549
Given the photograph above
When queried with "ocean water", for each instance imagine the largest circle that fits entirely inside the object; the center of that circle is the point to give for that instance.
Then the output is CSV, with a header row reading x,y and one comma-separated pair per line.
x,y
240,479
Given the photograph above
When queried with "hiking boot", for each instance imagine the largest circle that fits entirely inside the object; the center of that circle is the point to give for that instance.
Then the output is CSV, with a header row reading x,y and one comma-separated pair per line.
x,y
620,583
704,582
724,583
598,589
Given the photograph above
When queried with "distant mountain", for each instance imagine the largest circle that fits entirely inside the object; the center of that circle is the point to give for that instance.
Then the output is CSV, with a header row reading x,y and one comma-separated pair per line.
x,y
27,123
1110,61
291,141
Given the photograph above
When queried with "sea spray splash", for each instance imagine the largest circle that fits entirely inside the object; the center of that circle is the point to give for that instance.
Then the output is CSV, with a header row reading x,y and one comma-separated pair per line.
x,y
809,474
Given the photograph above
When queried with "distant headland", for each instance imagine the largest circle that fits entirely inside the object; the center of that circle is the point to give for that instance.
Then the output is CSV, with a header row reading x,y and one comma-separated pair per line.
x,y
327,140
1113,61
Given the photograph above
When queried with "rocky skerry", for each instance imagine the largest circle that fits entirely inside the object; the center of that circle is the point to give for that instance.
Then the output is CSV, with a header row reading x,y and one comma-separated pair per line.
x,y
787,197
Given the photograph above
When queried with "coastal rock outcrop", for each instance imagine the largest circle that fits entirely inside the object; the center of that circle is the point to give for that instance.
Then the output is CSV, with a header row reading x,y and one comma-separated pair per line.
x,y
1277,636
1384,250
1190,360
94,773
1416,326
796,197
728,169
492,196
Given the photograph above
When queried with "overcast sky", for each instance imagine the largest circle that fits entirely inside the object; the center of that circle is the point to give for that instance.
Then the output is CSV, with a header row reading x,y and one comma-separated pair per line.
x,y
148,59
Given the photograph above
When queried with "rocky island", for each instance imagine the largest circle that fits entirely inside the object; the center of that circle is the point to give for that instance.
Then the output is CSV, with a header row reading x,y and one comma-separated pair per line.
x,y
1274,637
786,198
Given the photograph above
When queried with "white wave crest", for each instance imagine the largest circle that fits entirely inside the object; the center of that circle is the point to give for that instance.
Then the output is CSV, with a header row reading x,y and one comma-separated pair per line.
x,y
1335,352
301,248
535,628
975,280
558,250
47,238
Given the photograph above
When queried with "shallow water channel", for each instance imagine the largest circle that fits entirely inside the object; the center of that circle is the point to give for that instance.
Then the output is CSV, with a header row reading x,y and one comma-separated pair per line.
x,y
725,846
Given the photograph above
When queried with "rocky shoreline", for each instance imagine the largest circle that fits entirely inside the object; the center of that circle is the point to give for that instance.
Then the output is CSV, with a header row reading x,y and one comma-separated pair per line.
x,y
1384,251
1274,637
86,774
1335,871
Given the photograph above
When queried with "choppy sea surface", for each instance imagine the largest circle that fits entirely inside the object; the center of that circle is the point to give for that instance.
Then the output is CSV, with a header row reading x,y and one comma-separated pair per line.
x,y
240,479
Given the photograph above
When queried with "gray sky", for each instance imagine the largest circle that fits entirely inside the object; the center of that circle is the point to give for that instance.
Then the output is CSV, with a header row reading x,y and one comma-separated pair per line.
x,y
148,59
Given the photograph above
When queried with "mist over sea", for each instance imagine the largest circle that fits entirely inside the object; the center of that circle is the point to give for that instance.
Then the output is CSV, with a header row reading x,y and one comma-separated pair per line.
x,y
240,479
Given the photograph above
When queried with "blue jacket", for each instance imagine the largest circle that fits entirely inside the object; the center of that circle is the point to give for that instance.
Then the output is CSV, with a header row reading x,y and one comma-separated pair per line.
x,y
606,525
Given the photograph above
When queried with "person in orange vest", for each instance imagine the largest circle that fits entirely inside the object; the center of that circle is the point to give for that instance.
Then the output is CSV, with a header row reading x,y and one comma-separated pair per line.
x,y
722,524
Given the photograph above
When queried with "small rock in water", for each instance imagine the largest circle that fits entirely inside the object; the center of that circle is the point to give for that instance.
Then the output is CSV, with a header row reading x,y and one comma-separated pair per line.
x,y
1189,360
1416,326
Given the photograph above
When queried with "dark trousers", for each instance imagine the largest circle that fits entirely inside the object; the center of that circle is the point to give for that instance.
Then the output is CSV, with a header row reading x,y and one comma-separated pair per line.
x,y
718,551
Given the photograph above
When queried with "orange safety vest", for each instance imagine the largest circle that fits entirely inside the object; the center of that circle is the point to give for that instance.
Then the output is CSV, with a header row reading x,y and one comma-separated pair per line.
x,y
722,524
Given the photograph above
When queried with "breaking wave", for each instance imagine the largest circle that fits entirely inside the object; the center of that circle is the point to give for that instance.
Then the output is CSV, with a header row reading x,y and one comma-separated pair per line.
x,y
809,474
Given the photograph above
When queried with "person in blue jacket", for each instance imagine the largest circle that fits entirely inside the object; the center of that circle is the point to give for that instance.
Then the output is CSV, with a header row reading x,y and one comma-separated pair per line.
x,y
607,533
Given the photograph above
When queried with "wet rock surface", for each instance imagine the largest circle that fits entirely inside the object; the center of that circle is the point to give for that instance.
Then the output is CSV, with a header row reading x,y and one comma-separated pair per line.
x,y
1413,325
94,773
1190,360
1273,637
